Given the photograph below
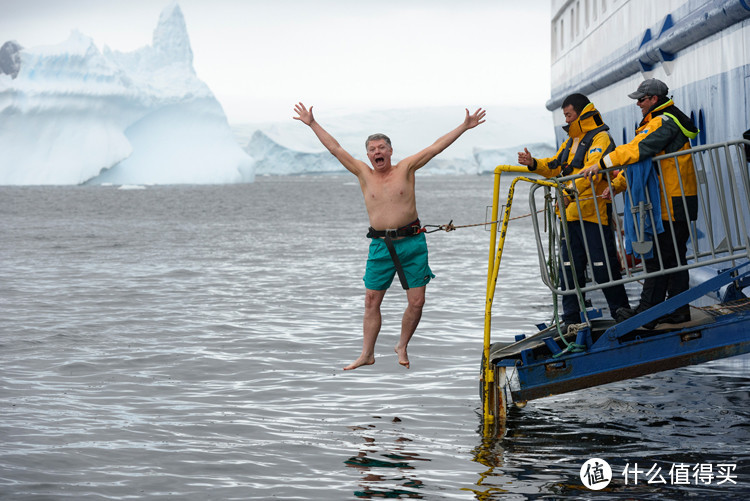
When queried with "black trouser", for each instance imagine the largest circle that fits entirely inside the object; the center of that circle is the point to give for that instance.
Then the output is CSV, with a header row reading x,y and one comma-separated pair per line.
x,y
615,295
657,289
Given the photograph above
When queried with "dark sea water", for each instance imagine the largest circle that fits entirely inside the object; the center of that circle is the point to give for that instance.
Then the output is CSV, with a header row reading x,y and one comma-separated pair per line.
x,y
186,342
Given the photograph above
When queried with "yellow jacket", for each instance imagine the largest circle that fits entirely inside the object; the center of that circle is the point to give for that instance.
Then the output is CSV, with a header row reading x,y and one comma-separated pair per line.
x,y
566,163
664,130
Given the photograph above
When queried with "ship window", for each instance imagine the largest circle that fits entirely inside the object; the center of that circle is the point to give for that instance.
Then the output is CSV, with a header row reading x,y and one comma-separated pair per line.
x,y
562,34
624,136
572,24
553,39
593,10
604,6
578,18
586,13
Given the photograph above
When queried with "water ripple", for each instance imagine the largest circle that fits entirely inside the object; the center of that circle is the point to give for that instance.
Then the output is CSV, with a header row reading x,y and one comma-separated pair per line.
x,y
188,341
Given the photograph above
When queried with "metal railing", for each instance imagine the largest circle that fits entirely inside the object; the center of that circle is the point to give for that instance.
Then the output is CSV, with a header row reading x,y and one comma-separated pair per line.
x,y
720,233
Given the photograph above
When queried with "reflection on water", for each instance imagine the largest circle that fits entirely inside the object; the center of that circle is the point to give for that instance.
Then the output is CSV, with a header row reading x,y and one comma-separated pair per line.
x,y
385,465
652,424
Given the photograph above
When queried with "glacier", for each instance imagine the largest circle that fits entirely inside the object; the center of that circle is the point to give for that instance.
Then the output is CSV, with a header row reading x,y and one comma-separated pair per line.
x,y
71,114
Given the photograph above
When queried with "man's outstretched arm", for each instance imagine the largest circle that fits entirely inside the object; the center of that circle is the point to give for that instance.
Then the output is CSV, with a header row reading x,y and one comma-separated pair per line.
x,y
418,160
306,116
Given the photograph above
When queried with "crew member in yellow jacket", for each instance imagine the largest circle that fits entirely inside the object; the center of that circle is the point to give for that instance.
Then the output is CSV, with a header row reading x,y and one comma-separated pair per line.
x,y
587,141
664,129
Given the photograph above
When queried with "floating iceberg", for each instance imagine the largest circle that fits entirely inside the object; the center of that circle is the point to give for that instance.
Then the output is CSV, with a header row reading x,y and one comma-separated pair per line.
x,y
70,114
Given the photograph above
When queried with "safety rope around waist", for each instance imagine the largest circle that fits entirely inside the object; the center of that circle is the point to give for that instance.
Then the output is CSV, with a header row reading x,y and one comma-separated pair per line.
x,y
415,228
409,230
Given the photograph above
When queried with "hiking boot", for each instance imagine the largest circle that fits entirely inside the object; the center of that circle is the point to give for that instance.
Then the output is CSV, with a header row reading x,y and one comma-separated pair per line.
x,y
623,314
675,318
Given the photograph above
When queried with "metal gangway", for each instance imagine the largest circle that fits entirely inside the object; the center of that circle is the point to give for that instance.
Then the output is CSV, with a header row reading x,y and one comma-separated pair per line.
x,y
719,241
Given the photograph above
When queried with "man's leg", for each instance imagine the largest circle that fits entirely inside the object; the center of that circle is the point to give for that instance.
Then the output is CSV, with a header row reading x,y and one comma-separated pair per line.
x,y
410,321
679,281
571,307
370,328
616,296
655,288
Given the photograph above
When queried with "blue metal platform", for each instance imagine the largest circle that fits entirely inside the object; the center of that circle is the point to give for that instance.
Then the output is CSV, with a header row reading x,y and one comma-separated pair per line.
x,y
615,352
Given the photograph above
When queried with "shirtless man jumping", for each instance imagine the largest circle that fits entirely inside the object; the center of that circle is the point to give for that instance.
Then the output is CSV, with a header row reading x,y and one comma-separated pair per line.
x,y
397,244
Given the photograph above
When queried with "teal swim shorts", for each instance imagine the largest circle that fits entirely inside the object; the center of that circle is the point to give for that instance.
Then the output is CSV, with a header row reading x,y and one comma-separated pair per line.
x,y
412,252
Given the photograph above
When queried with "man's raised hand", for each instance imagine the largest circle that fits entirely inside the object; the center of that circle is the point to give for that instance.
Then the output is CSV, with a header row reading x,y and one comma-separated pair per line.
x,y
304,115
475,119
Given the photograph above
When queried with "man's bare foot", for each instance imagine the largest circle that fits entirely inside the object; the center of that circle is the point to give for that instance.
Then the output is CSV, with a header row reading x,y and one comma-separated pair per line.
x,y
360,362
403,358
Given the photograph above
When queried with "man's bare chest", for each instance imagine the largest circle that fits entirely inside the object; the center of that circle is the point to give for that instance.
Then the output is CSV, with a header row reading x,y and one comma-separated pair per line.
x,y
390,191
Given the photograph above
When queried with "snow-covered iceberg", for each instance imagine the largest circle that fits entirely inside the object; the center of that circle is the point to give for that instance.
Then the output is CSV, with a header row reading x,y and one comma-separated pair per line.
x,y
275,159
71,114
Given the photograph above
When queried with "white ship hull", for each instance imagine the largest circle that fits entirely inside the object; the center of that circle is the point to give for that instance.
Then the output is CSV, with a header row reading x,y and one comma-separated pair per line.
x,y
700,49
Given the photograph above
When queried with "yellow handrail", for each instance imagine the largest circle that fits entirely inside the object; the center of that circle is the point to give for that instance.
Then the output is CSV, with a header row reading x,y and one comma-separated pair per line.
x,y
492,274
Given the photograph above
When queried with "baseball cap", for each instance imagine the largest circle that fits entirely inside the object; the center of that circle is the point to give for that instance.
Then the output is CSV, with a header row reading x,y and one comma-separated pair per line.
x,y
650,87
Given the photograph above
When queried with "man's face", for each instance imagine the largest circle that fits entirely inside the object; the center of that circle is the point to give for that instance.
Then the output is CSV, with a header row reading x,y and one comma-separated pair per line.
x,y
646,103
570,114
379,153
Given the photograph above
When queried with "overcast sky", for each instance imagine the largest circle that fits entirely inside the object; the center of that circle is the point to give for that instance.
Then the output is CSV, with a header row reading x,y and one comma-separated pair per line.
x,y
259,57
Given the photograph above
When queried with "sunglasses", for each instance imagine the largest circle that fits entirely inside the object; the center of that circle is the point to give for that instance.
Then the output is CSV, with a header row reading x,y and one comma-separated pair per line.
x,y
643,99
